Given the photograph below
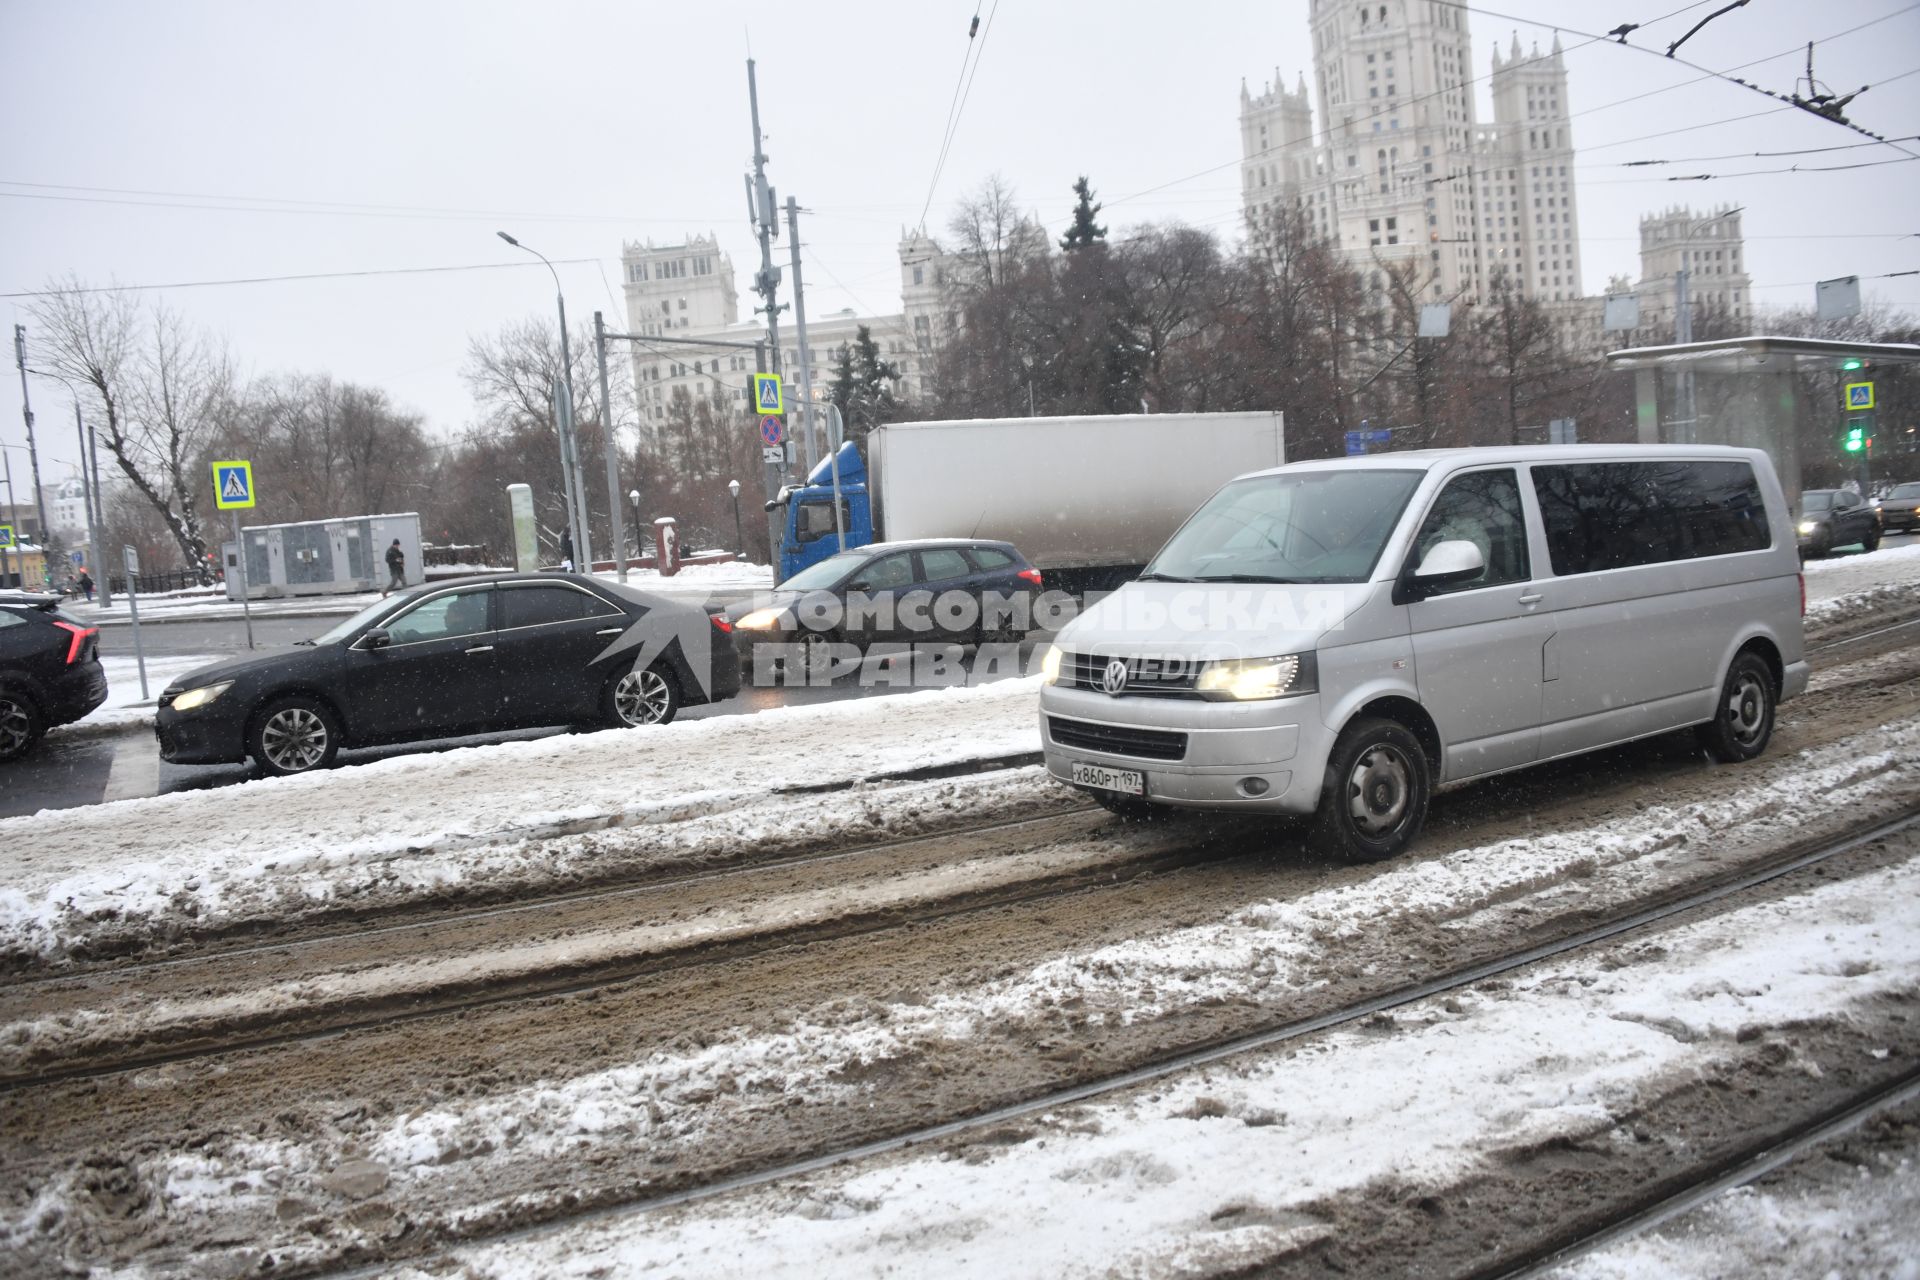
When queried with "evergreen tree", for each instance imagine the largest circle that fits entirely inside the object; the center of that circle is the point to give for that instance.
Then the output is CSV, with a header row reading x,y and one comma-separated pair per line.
x,y
1084,231
863,386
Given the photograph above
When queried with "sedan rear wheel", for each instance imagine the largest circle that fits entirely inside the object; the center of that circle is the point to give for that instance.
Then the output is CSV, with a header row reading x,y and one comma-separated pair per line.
x,y
641,697
21,725
294,735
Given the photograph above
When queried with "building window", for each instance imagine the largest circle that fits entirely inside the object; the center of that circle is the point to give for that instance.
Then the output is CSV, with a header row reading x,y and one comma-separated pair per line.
x,y
919,275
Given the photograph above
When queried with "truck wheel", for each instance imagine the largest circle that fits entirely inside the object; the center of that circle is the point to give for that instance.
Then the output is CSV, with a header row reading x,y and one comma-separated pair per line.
x,y
21,725
1743,724
294,735
1375,797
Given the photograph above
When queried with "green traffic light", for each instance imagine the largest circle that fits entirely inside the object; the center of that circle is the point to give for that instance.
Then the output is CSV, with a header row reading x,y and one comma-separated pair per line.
x,y
1850,365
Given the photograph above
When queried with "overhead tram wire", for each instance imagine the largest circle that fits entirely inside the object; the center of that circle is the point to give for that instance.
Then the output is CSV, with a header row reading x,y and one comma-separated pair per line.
x,y
1326,134
313,275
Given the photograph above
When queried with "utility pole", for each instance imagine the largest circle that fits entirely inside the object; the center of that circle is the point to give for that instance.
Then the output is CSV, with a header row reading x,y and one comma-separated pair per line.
x,y
612,449
1683,333
765,217
13,516
33,454
805,359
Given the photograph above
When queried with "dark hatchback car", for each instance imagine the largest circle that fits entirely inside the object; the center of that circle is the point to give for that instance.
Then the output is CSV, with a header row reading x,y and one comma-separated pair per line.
x,y
1832,518
930,591
469,656
49,670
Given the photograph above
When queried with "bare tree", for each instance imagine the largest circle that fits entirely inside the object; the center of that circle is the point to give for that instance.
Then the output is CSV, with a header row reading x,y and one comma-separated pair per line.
x,y
160,385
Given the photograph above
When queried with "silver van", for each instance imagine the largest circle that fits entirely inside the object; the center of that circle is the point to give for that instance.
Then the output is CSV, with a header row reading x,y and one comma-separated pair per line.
x,y
1341,637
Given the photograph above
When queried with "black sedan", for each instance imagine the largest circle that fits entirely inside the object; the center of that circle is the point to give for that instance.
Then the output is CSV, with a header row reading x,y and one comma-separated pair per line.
x,y
473,655
49,670
930,591
1901,508
1832,518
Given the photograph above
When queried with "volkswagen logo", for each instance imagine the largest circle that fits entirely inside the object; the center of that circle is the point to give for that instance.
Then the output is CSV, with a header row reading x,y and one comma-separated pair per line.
x,y
1114,679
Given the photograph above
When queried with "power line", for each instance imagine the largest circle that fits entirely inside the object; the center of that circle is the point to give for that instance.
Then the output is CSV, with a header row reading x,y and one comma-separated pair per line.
x,y
962,88
1745,155
315,275
1753,173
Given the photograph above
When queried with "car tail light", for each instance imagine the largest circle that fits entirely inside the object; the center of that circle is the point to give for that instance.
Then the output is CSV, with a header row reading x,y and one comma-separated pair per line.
x,y
1803,594
720,624
79,640
1030,575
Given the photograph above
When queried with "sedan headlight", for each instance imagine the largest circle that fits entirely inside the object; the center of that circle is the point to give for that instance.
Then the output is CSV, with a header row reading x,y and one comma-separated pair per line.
x,y
1808,526
200,697
1249,679
760,620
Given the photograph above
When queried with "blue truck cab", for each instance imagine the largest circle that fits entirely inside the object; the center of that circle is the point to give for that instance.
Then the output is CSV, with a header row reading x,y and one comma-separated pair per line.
x,y
810,531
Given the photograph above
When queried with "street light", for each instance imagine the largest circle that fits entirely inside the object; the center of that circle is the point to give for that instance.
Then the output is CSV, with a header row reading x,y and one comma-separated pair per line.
x,y
633,496
576,503
739,539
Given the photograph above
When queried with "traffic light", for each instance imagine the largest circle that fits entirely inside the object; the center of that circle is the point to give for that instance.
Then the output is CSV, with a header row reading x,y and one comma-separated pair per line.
x,y
1849,366
1856,437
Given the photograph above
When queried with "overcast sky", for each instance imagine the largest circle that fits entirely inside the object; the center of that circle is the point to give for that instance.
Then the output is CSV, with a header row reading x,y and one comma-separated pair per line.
x,y
355,136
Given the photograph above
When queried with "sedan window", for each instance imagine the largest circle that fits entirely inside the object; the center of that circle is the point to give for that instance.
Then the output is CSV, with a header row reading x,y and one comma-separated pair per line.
x,y
536,606
458,613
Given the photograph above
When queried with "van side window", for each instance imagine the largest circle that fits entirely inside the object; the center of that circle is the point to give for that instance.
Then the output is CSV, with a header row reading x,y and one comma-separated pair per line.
x,y
1614,515
1481,507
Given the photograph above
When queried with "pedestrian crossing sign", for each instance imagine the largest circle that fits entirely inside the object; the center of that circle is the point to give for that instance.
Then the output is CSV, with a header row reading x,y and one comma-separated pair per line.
x,y
6,537
232,485
1859,395
766,394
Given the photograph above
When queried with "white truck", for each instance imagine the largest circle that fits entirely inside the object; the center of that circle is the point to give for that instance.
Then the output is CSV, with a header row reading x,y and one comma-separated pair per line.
x,y
1087,500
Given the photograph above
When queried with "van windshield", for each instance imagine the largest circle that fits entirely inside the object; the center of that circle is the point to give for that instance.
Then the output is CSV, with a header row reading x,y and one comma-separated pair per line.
x,y
1299,526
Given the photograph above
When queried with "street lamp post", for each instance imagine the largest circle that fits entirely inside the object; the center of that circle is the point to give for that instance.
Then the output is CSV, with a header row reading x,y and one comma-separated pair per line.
x,y
633,496
576,503
739,539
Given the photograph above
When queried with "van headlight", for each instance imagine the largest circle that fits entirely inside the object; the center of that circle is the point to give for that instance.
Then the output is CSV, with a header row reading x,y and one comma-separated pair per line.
x,y
1249,679
1050,665
1808,526
200,697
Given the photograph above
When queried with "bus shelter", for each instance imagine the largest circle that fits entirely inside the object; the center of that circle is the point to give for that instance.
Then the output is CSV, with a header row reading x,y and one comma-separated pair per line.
x,y
1751,391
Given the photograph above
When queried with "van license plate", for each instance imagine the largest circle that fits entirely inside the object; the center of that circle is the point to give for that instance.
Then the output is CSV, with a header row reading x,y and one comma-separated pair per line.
x,y
1098,775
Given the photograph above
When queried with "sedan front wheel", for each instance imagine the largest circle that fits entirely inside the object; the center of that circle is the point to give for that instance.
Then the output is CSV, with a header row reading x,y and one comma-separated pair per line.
x,y
294,735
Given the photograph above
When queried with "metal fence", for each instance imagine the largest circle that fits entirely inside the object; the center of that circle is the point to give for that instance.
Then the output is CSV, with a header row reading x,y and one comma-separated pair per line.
x,y
150,583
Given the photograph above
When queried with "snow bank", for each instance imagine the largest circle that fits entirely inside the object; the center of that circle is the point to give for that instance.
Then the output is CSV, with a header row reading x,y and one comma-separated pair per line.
x,y
276,843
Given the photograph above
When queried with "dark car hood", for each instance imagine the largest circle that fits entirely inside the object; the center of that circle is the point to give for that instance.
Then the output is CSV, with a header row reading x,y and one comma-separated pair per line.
x,y
236,667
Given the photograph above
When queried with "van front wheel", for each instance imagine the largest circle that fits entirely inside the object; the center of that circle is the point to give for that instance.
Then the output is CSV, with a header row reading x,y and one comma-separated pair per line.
x,y
1375,798
1743,720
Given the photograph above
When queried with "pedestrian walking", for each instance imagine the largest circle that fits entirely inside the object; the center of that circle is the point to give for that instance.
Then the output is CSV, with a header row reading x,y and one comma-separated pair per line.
x,y
396,568
566,550
86,584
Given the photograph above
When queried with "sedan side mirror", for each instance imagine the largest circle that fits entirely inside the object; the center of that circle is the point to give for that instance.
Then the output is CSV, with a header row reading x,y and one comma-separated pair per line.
x,y
378,638
1449,562
859,584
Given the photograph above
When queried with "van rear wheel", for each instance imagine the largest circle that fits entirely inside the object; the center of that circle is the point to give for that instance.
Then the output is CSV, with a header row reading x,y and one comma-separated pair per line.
x,y
1742,723
1375,798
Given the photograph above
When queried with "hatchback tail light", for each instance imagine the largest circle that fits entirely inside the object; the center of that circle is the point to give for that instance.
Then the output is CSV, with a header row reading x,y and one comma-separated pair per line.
x,y
1030,575
1803,594
720,624
79,640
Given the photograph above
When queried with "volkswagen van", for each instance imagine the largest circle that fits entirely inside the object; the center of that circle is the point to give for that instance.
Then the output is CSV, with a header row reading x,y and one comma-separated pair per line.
x,y
1340,638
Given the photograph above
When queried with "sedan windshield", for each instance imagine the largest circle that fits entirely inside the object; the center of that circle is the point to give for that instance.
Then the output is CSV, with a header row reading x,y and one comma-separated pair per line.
x,y
1816,500
1906,491
335,634
826,572
1297,526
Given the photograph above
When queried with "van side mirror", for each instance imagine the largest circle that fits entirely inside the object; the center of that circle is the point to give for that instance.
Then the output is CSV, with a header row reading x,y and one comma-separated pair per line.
x,y
378,638
859,584
1445,563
